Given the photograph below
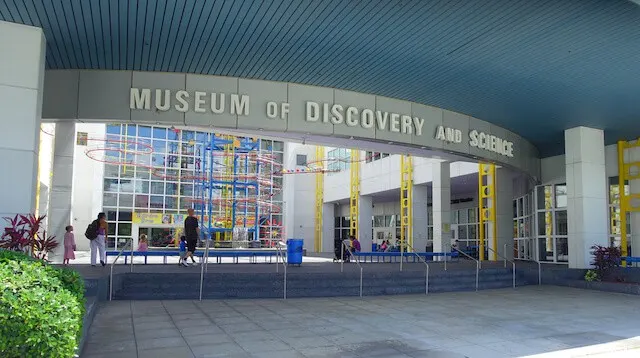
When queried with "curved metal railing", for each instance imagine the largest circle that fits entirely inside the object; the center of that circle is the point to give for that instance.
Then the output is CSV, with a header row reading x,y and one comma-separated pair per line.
x,y
506,259
204,264
478,264
344,246
421,259
281,254
130,245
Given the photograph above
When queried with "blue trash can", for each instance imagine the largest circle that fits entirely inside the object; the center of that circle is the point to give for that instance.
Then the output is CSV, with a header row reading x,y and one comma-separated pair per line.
x,y
294,251
374,247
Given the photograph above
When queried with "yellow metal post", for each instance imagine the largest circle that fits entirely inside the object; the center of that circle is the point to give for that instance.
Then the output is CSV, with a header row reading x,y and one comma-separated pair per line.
x,y
319,198
487,208
406,201
622,200
227,191
354,200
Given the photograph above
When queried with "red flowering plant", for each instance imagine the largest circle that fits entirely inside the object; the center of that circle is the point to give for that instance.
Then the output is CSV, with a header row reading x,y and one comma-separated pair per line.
x,y
23,233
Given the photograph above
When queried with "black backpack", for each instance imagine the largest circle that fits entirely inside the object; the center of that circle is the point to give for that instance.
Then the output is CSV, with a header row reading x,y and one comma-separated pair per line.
x,y
92,230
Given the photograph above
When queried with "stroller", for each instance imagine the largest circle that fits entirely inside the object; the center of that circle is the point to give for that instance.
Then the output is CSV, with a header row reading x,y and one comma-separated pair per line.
x,y
338,254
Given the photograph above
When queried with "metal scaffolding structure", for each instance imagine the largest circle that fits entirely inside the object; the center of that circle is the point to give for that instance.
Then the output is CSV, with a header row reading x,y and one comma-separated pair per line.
x,y
229,189
354,192
406,201
487,208
319,199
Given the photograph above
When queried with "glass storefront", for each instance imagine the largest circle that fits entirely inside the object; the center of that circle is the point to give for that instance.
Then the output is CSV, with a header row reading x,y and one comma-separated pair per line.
x,y
552,229
156,187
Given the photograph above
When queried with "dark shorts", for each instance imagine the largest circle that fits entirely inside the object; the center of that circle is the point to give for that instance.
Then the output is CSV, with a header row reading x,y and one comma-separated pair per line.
x,y
191,244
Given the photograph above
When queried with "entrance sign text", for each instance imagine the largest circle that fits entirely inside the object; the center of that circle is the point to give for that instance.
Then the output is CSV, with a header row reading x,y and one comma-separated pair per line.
x,y
336,114
477,139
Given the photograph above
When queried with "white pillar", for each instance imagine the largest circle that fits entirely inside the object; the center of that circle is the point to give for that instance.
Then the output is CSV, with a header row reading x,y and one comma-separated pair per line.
x,y
21,82
504,214
328,221
420,193
61,184
586,193
365,225
441,205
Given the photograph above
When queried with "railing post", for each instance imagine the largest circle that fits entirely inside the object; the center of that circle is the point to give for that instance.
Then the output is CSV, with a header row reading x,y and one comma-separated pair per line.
x,y
285,279
360,281
131,263
202,270
505,255
539,274
341,256
426,290
477,275
514,275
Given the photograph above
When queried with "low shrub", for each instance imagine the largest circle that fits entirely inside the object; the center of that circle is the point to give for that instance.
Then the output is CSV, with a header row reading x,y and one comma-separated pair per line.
x,y
41,308
591,276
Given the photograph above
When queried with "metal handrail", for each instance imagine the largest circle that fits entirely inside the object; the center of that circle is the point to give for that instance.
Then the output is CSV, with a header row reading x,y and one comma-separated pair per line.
x,y
506,259
284,264
344,245
463,254
478,264
421,259
114,262
204,264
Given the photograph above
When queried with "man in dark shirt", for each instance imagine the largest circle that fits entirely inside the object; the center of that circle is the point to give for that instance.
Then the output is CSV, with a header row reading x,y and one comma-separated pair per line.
x,y
192,233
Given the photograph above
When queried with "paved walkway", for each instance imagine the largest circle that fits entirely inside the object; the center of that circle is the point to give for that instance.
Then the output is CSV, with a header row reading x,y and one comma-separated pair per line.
x,y
534,321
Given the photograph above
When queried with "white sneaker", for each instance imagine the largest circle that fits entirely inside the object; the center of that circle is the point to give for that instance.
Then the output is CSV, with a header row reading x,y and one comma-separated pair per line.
x,y
185,264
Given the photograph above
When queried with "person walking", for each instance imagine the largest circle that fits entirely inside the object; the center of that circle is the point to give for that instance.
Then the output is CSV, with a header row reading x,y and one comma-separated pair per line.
x,y
98,244
69,245
192,233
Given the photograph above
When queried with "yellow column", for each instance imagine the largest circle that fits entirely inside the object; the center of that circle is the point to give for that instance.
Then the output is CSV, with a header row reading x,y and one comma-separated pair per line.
x,y
487,208
354,197
406,201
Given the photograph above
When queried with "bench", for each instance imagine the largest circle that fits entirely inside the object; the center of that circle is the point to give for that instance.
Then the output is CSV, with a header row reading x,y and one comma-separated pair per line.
x,y
408,256
631,260
218,254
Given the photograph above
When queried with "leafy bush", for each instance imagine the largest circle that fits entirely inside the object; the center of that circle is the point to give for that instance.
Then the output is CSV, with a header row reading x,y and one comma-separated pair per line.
x,y
41,308
25,235
605,260
591,276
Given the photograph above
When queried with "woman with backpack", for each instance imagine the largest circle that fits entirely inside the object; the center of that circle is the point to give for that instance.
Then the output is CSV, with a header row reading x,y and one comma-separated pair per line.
x,y
97,233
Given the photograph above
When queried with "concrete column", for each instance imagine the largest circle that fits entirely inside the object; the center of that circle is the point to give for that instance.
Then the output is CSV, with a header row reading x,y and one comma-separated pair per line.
x,y
586,193
504,214
441,205
21,84
365,226
61,184
420,193
328,234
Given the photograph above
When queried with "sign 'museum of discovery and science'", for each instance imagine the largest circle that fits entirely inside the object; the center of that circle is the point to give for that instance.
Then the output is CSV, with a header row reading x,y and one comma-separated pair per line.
x,y
318,112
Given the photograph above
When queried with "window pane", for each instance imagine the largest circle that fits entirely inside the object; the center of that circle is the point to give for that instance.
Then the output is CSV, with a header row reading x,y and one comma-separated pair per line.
x,y
378,221
562,250
462,232
156,202
157,188
111,215
124,215
111,185
345,221
171,202
113,129
126,200
545,249
110,199
111,170
462,216
515,208
142,201
124,229
171,189
144,131
541,224
561,196
142,186
454,217
336,221
111,229
544,197
126,186
521,207
472,215
561,223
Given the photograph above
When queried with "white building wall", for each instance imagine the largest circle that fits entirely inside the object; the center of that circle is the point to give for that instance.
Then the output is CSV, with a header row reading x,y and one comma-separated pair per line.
x,y
300,190
87,184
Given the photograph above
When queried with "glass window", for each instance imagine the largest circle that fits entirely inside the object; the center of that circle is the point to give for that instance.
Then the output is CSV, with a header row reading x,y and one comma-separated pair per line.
x,y
126,200
562,249
473,218
462,216
472,232
110,199
345,221
111,229
561,223
515,208
171,202
144,131
171,189
541,224
111,214
157,188
111,185
156,202
142,201
160,133
544,197
301,159
462,232
336,221
561,196
454,217
113,129
111,170
124,229
124,215
173,134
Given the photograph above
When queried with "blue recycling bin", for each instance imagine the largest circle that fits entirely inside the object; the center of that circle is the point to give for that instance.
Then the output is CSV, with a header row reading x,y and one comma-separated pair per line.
x,y
294,251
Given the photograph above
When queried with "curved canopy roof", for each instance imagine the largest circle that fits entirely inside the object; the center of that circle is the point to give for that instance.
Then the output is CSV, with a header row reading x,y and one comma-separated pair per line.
x,y
535,67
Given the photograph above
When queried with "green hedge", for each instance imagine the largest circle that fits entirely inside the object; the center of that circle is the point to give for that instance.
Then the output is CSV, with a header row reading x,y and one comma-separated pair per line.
x,y
41,308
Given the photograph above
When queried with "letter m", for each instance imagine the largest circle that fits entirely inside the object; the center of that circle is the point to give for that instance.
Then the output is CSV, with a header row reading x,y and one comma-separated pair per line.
x,y
240,105
140,99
